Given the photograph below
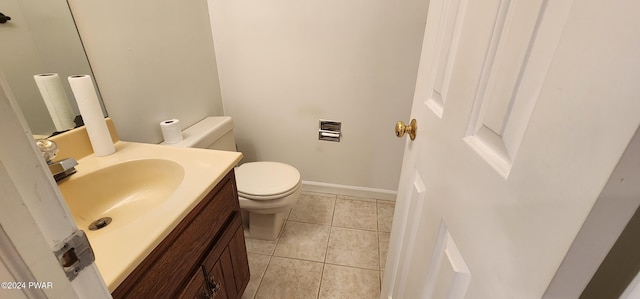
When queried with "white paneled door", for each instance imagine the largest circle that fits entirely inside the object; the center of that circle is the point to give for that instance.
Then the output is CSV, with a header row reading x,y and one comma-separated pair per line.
x,y
523,109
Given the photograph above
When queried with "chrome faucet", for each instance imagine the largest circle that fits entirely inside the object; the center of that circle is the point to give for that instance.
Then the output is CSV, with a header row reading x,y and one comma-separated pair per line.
x,y
59,169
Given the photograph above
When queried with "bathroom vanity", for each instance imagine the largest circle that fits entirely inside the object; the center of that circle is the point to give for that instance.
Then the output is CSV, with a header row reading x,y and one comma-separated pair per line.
x,y
203,257
174,228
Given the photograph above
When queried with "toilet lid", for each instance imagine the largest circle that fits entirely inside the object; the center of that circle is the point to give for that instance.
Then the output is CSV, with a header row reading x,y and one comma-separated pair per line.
x,y
257,180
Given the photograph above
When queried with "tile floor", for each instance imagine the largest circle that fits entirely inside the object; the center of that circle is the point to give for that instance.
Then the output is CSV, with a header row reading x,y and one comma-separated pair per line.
x,y
331,246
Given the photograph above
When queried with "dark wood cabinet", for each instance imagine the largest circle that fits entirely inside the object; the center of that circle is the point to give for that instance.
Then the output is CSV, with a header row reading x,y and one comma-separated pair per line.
x,y
223,272
203,257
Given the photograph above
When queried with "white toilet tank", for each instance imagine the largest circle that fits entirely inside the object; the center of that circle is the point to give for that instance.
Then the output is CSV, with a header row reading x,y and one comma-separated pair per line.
x,y
209,133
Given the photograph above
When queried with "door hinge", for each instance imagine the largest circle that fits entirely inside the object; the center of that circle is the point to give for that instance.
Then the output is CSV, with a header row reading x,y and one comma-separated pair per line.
x,y
74,254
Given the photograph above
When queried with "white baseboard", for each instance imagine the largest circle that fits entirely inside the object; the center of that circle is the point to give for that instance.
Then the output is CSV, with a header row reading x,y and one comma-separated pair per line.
x,y
374,193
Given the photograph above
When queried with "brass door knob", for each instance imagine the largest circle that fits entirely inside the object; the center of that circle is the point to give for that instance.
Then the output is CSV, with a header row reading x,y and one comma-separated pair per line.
x,y
401,129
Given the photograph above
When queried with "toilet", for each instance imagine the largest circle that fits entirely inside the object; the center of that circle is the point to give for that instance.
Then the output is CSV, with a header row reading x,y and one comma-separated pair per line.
x,y
267,190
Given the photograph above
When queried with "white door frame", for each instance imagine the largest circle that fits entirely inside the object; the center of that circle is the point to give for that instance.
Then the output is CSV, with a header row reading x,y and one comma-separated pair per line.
x,y
34,216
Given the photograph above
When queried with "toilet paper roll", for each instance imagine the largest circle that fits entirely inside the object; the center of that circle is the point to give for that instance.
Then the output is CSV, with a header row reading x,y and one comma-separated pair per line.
x,y
87,98
56,100
171,131
330,134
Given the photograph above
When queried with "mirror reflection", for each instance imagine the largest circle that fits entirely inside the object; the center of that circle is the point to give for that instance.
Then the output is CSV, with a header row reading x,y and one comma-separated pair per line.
x,y
40,38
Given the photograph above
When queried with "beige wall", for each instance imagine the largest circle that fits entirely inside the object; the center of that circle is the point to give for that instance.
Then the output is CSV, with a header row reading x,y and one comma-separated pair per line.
x,y
283,66
286,64
153,60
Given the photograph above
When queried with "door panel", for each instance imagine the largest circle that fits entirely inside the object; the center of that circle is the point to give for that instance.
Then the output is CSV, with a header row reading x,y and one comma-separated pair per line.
x,y
451,276
411,280
505,97
444,34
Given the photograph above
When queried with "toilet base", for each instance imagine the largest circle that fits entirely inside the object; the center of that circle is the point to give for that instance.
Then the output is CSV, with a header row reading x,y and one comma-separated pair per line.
x,y
263,226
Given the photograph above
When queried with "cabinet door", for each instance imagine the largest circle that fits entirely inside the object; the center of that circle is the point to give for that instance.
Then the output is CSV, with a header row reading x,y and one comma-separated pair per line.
x,y
229,257
239,261
209,284
228,273
216,277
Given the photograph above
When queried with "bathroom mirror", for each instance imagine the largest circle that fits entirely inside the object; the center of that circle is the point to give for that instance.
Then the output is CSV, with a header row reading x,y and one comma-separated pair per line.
x,y
41,37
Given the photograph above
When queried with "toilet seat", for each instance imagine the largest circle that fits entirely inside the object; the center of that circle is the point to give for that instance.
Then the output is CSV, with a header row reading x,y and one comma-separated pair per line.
x,y
266,180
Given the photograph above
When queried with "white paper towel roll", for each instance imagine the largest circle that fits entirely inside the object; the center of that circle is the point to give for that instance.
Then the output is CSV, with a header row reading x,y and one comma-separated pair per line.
x,y
87,98
171,131
56,100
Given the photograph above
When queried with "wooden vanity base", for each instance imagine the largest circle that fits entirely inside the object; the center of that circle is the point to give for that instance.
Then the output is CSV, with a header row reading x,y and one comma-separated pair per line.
x,y
203,257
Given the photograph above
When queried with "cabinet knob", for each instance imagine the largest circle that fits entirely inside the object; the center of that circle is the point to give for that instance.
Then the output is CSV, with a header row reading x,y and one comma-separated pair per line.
x,y
211,287
205,293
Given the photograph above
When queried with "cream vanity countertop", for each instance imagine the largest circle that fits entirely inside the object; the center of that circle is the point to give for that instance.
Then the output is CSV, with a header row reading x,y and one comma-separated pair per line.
x,y
122,245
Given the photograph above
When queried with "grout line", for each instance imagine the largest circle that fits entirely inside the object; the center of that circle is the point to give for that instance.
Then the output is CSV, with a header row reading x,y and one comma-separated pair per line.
x,y
377,218
297,259
333,211
356,228
333,216
320,224
262,278
271,255
355,267
326,251
321,277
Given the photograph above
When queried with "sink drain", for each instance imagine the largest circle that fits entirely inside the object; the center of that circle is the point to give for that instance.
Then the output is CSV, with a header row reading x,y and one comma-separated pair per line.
x,y
100,223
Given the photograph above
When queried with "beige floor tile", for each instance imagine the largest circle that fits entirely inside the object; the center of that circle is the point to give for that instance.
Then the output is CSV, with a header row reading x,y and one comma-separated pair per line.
x,y
383,245
260,246
290,278
257,266
314,208
346,282
385,215
305,241
353,247
353,213
355,253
